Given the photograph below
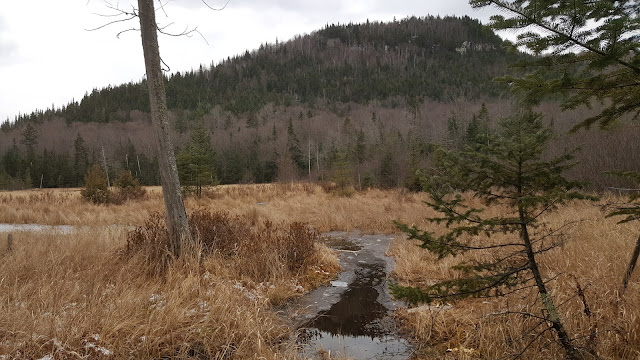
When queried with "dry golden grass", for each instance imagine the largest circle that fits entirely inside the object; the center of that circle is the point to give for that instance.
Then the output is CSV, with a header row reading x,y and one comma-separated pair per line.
x,y
370,211
594,258
75,295
59,290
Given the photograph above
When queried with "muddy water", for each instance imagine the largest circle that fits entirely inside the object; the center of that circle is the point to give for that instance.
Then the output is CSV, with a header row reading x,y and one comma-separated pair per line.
x,y
353,317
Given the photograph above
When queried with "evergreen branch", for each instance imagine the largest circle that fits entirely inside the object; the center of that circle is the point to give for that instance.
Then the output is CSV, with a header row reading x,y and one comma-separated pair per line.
x,y
440,290
554,30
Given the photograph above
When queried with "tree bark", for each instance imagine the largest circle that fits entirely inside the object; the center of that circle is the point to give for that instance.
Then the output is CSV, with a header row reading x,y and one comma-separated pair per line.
x,y
547,301
179,233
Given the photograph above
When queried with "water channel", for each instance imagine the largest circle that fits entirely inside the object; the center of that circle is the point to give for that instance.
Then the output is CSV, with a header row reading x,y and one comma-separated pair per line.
x,y
353,317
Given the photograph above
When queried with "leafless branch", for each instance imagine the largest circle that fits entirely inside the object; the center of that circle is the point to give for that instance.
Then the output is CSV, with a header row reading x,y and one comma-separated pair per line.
x,y
111,23
518,355
511,312
216,9
161,7
124,31
168,69
186,32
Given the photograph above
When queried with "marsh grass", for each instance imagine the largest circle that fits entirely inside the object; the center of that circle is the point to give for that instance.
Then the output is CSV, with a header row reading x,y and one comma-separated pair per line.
x,y
89,293
372,211
587,274
61,292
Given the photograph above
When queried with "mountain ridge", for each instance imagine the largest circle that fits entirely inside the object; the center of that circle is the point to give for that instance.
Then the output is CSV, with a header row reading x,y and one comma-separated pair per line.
x,y
415,58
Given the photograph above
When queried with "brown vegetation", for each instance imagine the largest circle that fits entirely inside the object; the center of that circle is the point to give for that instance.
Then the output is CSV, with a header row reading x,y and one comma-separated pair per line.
x,y
58,291
90,292
588,273
370,211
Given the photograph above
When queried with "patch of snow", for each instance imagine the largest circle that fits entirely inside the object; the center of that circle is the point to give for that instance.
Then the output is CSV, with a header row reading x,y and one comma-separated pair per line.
x,y
251,295
340,284
430,308
157,301
98,349
47,357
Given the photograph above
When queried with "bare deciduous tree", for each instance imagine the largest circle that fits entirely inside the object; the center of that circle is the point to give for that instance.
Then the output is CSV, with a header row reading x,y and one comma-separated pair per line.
x,y
180,239
177,224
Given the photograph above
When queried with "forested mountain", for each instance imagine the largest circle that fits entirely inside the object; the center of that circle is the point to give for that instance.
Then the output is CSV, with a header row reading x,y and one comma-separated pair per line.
x,y
437,58
352,102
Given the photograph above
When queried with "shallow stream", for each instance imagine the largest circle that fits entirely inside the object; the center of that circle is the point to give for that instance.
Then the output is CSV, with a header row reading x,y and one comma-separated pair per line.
x,y
353,317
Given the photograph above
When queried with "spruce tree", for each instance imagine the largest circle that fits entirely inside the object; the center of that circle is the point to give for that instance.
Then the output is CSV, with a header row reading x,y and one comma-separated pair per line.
x,y
195,162
80,159
587,51
509,173
293,145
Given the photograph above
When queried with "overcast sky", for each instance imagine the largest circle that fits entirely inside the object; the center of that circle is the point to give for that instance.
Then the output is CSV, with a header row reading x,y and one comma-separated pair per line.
x,y
48,58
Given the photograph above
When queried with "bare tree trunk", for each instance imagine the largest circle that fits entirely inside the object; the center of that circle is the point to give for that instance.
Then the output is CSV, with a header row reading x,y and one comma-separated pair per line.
x,y
547,301
106,169
179,233
632,264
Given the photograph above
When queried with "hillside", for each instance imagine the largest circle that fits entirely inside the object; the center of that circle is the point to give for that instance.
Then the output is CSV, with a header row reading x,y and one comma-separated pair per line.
x,y
358,101
442,59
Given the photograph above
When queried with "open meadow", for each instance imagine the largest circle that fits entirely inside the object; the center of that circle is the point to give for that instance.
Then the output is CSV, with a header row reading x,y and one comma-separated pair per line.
x,y
93,293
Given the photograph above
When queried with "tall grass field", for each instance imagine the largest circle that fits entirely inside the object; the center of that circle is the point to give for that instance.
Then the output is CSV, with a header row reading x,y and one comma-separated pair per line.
x,y
98,292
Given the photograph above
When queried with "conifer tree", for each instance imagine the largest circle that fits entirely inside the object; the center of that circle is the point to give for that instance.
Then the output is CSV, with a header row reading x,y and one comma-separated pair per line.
x,y
478,128
195,162
508,172
13,161
587,51
96,189
342,174
30,141
293,145
80,159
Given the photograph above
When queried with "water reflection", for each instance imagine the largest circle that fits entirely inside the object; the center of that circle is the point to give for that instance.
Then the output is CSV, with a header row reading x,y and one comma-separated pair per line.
x,y
358,325
358,309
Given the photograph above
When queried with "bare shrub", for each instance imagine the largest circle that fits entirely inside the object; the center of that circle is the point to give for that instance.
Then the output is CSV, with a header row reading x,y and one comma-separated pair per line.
x,y
261,251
